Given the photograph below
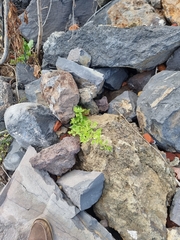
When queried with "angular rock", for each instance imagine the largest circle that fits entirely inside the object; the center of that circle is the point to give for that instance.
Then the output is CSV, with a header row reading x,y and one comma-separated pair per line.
x,y
116,47
138,81
80,56
14,156
92,106
138,181
6,100
123,13
173,63
81,74
32,194
58,158
83,188
158,109
87,93
60,11
102,104
61,93
114,77
175,208
24,74
31,90
171,10
31,124
124,104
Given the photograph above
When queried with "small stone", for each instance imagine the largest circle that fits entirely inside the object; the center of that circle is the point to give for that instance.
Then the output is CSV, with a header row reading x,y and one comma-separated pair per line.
x,y
80,56
24,74
58,158
102,104
82,187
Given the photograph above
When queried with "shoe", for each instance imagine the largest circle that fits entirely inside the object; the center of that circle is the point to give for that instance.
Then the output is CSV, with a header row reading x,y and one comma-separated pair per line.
x,y
41,230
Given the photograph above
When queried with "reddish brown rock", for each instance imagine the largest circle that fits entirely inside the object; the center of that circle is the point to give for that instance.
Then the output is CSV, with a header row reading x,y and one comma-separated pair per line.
x,y
60,91
58,158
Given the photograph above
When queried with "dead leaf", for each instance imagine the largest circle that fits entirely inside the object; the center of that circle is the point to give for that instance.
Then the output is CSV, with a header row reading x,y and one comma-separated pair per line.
x,y
73,27
25,17
37,70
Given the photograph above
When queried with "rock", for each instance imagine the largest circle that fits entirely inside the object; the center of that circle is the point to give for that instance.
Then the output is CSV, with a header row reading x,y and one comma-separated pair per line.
x,y
81,74
138,81
32,89
63,12
14,156
102,2
21,5
175,208
24,74
114,77
102,104
133,45
158,109
83,188
30,124
171,10
87,93
155,3
138,181
174,60
32,194
6,100
124,14
58,158
92,106
173,233
124,104
60,91
80,56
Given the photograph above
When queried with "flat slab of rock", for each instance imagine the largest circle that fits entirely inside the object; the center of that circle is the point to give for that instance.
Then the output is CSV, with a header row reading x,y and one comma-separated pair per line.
x,y
31,194
158,109
82,187
58,158
138,180
141,48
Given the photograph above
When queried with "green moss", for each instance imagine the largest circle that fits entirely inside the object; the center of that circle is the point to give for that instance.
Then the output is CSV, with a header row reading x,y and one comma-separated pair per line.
x,y
5,141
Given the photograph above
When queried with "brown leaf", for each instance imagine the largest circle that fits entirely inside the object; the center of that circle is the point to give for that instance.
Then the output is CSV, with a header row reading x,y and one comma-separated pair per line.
x,y
25,17
37,70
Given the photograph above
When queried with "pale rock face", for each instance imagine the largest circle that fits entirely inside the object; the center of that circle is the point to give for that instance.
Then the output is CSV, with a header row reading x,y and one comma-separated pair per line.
x,y
138,180
171,10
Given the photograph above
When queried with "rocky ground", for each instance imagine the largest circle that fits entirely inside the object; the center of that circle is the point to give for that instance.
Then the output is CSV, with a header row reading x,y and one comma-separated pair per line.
x,y
119,59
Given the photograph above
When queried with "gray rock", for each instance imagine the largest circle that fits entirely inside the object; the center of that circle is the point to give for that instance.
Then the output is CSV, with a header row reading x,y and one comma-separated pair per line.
x,y
58,158
24,74
14,156
6,100
83,188
32,194
158,109
138,180
116,47
175,208
61,93
155,3
56,16
124,104
173,63
114,77
31,90
138,81
81,74
92,106
80,56
87,93
102,104
30,124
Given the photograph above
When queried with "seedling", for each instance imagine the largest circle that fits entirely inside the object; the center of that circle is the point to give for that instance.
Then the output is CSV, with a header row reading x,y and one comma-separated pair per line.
x,y
86,129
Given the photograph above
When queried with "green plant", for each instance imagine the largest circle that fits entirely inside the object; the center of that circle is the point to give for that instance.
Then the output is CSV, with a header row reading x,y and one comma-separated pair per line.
x,y
27,52
5,141
86,129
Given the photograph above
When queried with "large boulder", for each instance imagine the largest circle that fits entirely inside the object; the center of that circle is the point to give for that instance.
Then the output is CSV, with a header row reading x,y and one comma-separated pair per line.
x,y
141,48
158,109
31,124
32,194
138,180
